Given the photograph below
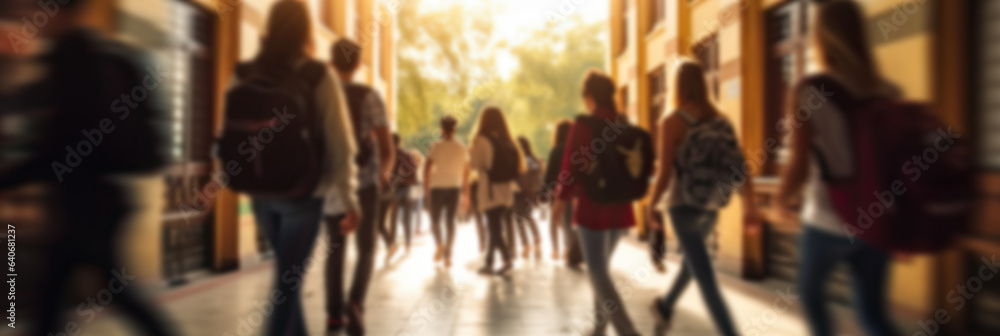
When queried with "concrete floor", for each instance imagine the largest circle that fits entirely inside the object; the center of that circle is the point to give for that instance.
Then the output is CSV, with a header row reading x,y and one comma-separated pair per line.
x,y
410,295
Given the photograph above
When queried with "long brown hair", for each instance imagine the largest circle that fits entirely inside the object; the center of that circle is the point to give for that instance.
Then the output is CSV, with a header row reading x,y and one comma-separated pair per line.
x,y
493,125
841,43
689,87
288,36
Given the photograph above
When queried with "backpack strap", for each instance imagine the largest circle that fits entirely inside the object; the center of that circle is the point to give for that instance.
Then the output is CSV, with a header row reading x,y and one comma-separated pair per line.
x,y
687,117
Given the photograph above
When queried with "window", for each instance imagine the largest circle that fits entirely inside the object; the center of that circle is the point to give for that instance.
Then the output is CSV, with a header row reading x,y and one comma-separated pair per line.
x,y
326,13
707,53
785,63
657,12
988,85
624,27
657,94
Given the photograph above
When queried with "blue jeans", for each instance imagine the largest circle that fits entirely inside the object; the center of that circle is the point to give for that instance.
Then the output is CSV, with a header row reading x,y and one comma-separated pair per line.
x,y
598,246
291,227
821,252
692,226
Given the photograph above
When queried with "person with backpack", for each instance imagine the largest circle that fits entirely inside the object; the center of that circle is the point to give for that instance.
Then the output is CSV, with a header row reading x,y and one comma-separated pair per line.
x,y
415,203
843,162
698,153
375,161
496,158
529,184
404,178
288,127
446,175
54,85
551,181
608,164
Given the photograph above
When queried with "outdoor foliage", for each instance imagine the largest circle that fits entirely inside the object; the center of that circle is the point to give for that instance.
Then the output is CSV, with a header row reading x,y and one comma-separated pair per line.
x,y
448,64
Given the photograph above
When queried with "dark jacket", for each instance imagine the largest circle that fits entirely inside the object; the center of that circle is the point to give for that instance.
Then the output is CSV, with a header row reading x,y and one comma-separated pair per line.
x,y
106,117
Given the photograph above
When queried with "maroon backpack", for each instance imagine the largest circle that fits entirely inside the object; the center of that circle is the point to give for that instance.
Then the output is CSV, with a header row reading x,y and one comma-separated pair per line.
x,y
272,141
913,189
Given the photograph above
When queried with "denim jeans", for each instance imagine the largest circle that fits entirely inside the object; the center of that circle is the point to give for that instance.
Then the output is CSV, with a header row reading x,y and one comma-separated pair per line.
x,y
692,226
598,246
821,252
444,200
291,226
365,241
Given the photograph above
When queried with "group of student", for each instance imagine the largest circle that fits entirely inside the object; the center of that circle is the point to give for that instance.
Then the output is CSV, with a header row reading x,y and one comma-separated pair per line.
x,y
366,175
313,148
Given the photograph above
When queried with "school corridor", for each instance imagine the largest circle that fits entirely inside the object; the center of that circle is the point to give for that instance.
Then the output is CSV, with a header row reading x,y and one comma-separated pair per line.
x,y
411,296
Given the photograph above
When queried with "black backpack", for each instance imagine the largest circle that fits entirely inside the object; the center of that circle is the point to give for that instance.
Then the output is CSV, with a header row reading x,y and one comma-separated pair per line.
x,y
356,95
506,161
273,133
623,170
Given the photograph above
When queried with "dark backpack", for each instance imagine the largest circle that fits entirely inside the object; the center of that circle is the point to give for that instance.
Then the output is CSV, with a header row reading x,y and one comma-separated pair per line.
x,y
893,202
531,180
622,172
273,133
705,162
406,168
356,95
506,161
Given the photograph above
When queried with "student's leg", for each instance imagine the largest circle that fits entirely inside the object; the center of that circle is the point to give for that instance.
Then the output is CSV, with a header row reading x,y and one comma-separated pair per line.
x,y
113,211
598,245
509,237
407,207
494,221
690,226
384,205
335,272
554,228
819,256
869,272
520,220
450,211
477,220
295,231
365,239
435,207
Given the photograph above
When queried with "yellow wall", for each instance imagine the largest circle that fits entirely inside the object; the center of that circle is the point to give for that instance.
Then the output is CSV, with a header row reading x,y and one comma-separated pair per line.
x,y
907,61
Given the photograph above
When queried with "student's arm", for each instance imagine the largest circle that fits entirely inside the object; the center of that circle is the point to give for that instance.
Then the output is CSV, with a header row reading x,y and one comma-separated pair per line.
x,y
340,145
668,137
383,136
796,170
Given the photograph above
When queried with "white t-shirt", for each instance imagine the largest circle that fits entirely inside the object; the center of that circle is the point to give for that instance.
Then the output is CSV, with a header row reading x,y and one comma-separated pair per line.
x,y
449,159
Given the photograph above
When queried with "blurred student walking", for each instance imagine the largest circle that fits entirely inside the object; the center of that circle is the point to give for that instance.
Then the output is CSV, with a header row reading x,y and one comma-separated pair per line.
x,y
293,173
415,203
375,160
495,157
404,177
54,86
697,147
601,222
446,176
525,199
554,177
821,151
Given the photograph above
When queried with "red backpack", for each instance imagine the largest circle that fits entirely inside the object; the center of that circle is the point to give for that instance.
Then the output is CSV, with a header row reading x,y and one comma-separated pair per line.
x,y
913,190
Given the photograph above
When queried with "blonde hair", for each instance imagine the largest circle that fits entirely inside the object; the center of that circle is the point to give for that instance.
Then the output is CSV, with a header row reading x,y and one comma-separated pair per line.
x,y
841,44
688,86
